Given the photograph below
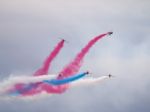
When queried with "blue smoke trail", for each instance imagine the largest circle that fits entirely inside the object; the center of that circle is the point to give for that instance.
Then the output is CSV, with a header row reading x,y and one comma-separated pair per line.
x,y
55,82
66,80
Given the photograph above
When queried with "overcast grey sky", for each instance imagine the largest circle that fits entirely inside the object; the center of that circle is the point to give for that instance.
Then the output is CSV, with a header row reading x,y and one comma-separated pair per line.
x,y
29,30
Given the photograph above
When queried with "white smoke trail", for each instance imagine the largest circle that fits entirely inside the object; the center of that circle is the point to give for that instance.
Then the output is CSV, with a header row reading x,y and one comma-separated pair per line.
x,y
88,81
12,80
25,98
30,79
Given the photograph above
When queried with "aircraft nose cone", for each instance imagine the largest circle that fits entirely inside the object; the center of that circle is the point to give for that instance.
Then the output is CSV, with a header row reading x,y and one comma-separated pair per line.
x,y
110,33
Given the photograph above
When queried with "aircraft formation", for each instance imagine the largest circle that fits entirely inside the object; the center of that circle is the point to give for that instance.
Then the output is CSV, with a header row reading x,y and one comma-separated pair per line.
x,y
68,77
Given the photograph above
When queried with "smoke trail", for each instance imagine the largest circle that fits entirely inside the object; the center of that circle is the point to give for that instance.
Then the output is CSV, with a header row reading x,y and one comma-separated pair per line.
x,y
29,86
6,97
75,65
88,81
44,69
69,70
28,83
66,80
55,86
13,80
78,83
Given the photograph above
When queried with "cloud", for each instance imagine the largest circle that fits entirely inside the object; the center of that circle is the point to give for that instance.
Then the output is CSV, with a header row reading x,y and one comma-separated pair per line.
x,y
29,30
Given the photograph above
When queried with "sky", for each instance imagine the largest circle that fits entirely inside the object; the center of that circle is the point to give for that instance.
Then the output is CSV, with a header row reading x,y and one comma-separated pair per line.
x,y
29,30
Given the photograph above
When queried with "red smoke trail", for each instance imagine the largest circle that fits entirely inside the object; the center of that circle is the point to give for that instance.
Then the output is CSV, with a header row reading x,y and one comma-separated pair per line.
x,y
75,65
44,69
69,70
